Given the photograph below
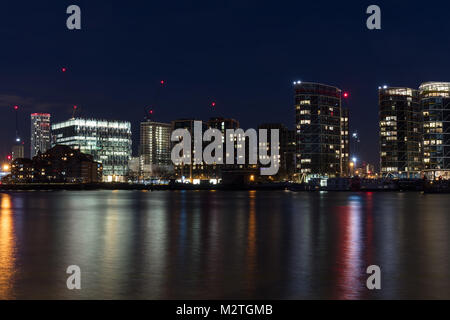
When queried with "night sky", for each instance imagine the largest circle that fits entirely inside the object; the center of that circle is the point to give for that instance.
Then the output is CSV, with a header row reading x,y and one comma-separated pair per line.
x,y
244,55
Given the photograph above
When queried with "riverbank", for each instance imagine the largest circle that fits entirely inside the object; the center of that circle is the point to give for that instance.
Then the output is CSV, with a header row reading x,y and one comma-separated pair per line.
x,y
129,186
393,186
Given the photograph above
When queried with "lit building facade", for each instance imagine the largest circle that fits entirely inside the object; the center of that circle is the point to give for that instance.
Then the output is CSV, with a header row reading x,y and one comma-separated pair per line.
x,y
287,149
109,142
40,133
318,130
435,104
192,172
400,132
223,124
22,171
155,150
345,142
60,164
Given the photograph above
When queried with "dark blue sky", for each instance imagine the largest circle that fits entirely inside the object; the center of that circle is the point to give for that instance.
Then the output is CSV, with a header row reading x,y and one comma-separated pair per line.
x,y
242,54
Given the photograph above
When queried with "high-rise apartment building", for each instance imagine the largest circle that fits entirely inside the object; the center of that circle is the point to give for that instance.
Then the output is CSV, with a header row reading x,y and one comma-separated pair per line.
x,y
400,132
319,130
435,105
40,133
109,142
155,149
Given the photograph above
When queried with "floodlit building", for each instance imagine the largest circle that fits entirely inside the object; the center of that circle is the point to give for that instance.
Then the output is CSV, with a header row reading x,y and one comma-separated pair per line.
x,y
109,142
155,150
400,132
40,133
435,105
320,130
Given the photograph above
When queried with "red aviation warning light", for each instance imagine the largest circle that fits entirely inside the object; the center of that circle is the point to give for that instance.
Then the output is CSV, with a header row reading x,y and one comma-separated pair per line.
x,y
346,94
162,82
213,104
63,69
16,107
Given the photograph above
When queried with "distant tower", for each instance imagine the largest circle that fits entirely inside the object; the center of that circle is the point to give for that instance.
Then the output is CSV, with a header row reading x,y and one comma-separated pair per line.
x,y
40,133
17,149
155,147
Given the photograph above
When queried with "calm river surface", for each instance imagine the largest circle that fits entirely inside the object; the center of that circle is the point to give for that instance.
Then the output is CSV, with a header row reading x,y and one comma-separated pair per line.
x,y
215,245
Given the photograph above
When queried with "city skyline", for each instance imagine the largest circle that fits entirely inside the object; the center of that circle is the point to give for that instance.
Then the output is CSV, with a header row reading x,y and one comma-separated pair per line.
x,y
149,114
210,152
252,75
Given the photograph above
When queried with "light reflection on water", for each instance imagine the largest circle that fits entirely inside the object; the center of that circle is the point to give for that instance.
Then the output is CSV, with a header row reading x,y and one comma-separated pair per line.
x,y
212,245
7,247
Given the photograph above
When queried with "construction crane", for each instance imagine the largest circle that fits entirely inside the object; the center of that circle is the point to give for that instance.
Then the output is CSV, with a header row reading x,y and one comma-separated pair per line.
x,y
16,110
148,111
74,111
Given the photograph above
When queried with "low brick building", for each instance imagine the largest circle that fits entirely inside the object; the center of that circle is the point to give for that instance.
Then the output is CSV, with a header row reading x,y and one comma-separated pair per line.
x,y
60,164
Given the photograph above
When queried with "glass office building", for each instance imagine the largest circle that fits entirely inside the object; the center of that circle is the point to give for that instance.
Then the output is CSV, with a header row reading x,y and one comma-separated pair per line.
x,y
109,142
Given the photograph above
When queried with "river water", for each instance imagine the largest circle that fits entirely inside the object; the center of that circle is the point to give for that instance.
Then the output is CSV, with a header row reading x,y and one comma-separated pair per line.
x,y
224,245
